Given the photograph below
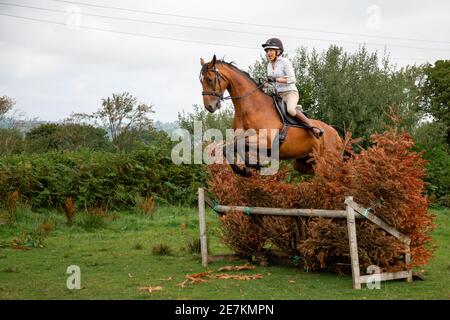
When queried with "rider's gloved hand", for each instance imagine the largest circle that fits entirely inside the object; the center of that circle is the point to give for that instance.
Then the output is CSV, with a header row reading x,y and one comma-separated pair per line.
x,y
271,79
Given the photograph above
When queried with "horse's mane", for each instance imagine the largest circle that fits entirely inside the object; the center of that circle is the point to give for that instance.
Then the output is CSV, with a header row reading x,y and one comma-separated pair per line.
x,y
233,66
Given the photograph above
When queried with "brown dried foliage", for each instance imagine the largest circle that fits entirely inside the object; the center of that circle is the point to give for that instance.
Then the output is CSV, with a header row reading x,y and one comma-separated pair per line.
x,y
11,204
387,178
146,205
238,231
69,210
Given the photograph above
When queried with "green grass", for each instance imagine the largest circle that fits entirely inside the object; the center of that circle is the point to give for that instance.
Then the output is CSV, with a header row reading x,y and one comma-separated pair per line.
x,y
116,259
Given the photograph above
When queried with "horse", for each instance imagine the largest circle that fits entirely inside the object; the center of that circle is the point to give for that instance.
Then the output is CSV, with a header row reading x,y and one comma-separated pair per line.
x,y
254,109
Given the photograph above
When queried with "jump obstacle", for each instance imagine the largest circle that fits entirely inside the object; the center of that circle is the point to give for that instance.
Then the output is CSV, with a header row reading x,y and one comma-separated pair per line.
x,y
353,211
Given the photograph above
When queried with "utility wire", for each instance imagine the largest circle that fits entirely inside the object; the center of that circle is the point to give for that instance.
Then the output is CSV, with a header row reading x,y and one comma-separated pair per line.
x,y
247,23
222,30
127,33
153,36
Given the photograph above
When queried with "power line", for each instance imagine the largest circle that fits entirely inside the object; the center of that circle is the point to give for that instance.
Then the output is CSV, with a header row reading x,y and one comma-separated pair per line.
x,y
127,33
223,30
247,23
152,36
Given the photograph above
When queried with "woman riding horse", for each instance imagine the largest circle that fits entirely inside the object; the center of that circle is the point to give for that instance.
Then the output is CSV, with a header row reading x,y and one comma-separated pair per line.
x,y
254,109
280,72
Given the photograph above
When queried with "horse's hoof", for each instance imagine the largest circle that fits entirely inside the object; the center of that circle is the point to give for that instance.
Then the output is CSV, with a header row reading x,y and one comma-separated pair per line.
x,y
247,173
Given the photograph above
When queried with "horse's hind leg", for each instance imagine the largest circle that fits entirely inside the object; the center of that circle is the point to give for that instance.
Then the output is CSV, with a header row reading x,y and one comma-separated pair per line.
x,y
303,165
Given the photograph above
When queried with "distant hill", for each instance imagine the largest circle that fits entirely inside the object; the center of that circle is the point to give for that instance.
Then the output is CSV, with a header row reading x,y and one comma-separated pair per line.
x,y
168,127
22,125
27,125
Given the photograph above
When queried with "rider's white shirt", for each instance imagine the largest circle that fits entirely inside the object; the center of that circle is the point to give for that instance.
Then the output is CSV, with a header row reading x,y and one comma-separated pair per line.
x,y
282,69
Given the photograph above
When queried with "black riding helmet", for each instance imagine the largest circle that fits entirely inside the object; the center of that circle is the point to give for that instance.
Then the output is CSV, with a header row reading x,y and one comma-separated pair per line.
x,y
274,43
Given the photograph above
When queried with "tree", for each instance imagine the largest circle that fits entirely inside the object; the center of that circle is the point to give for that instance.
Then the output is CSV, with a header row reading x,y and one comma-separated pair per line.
x,y
120,114
11,141
41,138
73,136
356,91
436,93
8,118
155,138
68,136
6,105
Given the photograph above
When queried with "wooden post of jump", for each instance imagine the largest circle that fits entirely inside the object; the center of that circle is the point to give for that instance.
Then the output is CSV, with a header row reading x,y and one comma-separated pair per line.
x,y
351,227
202,225
409,278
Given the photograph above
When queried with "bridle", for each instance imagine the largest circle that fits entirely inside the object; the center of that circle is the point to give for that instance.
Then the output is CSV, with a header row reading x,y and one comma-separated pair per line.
x,y
216,80
219,95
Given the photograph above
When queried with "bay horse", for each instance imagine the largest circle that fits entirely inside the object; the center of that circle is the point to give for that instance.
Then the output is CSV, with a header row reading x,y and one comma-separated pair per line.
x,y
254,109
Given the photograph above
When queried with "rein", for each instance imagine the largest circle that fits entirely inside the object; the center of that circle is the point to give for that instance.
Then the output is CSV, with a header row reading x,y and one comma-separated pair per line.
x,y
219,95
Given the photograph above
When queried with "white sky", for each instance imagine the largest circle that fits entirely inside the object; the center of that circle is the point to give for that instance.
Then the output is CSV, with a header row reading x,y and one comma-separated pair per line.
x,y
54,70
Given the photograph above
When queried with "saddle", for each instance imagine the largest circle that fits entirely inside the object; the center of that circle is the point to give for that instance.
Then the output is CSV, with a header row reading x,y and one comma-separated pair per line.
x,y
286,118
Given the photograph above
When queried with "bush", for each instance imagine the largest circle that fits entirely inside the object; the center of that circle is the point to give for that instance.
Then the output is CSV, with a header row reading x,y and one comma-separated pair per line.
x,y
11,141
35,238
193,246
98,179
92,220
161,249
387,177
438,176
431,138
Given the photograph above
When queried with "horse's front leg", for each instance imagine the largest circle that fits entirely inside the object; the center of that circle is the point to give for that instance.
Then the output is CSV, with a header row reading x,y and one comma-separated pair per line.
x,y
251,148
230,157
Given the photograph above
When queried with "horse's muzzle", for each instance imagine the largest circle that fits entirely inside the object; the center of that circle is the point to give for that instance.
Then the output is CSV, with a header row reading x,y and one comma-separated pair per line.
x,y
212,107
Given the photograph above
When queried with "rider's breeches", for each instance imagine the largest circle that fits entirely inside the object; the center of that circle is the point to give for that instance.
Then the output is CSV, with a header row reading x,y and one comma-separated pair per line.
x,y
291,99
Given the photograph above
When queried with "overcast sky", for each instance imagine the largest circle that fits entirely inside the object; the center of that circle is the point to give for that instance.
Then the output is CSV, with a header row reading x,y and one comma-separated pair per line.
x,y
52,70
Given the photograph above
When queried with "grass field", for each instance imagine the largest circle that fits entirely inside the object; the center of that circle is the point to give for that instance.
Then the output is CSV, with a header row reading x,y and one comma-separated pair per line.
x,y
116,260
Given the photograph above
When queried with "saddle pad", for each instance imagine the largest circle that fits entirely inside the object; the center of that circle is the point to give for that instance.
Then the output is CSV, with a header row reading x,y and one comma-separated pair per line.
x,y
286,118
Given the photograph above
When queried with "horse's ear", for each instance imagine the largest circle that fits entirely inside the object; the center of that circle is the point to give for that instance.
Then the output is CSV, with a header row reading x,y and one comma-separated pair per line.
x,y
213,61
202,62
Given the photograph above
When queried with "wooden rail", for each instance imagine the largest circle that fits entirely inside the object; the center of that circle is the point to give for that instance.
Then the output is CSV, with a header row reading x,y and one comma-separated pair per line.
x,y
353,211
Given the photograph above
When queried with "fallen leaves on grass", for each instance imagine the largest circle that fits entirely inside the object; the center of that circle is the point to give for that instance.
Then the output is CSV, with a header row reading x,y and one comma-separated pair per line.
x,y
238,277
246,266
151,289
194,278
182,284
168,279
200,277
19,247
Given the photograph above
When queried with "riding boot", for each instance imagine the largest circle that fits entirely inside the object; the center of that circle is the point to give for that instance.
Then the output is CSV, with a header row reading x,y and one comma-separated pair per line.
x,y
317,132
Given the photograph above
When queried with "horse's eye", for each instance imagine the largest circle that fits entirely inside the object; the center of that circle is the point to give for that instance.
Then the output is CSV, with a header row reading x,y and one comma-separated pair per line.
x,y
209,81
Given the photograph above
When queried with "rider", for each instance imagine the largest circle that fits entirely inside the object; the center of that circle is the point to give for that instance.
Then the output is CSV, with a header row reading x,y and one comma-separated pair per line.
x,y
280,72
